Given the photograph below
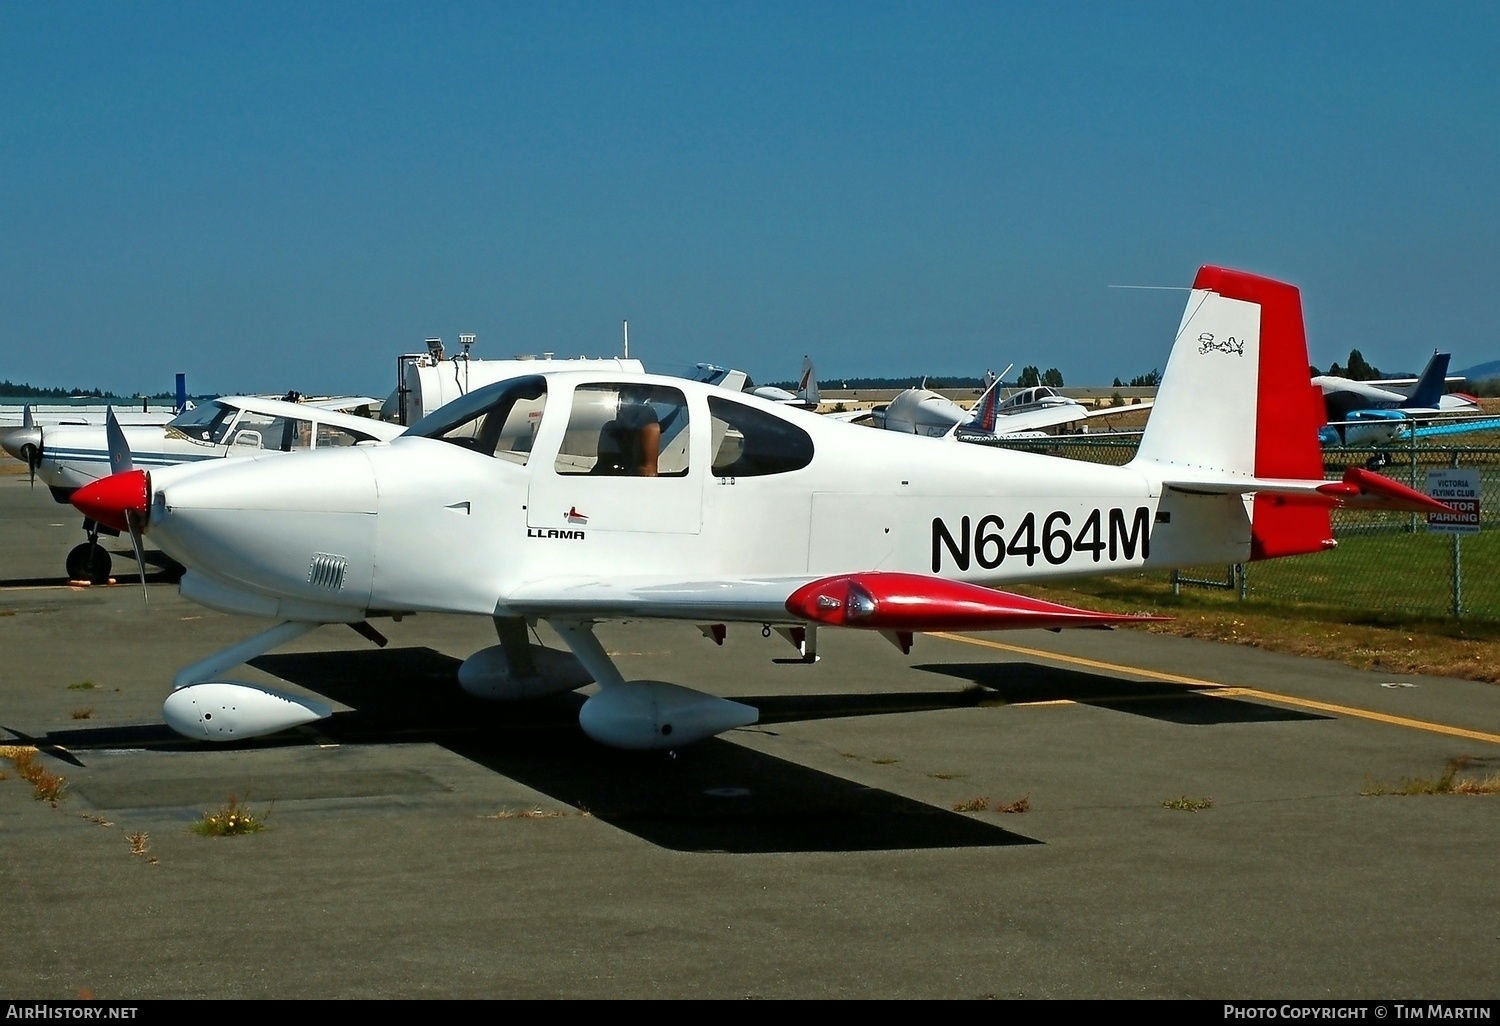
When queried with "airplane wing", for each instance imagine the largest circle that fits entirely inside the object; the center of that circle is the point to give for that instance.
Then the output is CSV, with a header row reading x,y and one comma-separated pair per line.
x,y
761,600
1456,427
344,402
1115,411
891,602
1033,421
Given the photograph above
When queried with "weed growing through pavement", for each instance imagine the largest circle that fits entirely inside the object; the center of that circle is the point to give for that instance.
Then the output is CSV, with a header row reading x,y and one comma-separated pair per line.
x,y
46,786
83,685
1186,804
1021,804
979,804
140,843
83,713
1448,783
535,812
232,819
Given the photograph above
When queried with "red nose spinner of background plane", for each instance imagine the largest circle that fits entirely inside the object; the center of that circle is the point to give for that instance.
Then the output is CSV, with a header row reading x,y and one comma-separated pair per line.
x,y
108,499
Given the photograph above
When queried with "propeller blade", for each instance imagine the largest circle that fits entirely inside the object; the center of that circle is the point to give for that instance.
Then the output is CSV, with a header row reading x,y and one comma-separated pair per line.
x,y
119,448
133,526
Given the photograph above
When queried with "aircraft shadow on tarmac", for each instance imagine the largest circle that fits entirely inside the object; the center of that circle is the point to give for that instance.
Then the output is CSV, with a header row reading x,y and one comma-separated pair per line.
x,y
1020,683
714,796
161,570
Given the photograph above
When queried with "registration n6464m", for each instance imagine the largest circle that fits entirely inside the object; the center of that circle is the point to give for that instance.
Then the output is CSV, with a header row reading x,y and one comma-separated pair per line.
x,y
1057,538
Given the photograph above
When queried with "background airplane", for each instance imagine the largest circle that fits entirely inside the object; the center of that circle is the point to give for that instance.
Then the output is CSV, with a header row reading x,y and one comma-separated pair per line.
x,y
1029,412
1366,412
806,397
66,457
509,504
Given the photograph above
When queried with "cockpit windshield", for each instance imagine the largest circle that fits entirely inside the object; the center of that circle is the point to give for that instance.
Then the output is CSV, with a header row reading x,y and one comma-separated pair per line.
x,y
498,420
207,423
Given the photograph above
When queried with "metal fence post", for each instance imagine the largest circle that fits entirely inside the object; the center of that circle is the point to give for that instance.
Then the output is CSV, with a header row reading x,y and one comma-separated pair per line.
x,y
1458,569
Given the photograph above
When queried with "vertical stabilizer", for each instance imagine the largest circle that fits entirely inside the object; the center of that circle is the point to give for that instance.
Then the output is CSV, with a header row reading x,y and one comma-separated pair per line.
x,y
986,414
1236,399
807,385
1428,391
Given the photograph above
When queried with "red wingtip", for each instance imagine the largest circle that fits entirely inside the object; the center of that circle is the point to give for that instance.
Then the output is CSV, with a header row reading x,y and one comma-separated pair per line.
x,y
108,499
907,602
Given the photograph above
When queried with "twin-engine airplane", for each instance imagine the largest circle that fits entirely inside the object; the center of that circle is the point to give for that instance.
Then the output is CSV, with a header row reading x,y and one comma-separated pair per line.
x,y
576,497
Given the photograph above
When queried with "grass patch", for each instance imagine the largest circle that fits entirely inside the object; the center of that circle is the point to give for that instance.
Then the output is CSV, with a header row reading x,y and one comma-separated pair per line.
x,y
1448,782
46,786
232,819
1183,803
83,685
1367,640
82,713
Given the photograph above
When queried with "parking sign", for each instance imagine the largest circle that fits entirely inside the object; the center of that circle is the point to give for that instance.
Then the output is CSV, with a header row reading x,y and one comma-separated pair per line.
x,y
1460,490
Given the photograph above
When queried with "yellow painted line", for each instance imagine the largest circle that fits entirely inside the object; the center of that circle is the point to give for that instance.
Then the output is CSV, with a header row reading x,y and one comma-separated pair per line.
x,y
1230,691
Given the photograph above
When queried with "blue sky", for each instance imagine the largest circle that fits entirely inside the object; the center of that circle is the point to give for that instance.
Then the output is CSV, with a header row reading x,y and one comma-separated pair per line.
x,y
270,196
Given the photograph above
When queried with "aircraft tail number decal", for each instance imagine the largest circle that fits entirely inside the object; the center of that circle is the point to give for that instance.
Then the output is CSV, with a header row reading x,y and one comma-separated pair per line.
x,y
1053,538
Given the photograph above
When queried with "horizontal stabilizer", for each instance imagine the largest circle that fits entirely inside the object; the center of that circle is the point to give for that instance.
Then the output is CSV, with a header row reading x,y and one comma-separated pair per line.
x,y
915,602
1365,489
1359,489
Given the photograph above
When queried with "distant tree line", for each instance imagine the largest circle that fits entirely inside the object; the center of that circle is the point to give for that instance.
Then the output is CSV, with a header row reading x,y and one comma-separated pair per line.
x,y
12,390
32,392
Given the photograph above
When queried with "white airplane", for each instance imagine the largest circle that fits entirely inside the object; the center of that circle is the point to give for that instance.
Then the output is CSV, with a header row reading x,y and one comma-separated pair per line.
x,y
806,397
66,457
1375,412
577,497
1030,412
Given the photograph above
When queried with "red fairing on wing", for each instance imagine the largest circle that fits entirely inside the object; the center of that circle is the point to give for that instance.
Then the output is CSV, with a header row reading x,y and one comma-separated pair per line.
x,y
915,602
108,499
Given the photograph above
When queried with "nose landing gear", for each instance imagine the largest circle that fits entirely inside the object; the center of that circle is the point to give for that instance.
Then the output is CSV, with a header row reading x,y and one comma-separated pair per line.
x,y
88,561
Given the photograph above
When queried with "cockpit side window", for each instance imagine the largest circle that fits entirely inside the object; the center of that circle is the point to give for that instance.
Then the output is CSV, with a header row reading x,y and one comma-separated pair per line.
x,y
498,420
262,431
626,430
749,442
327,435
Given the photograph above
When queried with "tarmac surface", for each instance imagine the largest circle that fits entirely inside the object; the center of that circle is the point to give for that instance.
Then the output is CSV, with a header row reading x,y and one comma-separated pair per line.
x,y
423,844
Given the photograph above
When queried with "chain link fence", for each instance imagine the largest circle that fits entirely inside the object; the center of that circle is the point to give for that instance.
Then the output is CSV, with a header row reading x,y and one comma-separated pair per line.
x,y
1384,562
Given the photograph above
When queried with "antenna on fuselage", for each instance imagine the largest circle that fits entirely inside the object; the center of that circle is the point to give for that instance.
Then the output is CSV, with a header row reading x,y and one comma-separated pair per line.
x,y
626,325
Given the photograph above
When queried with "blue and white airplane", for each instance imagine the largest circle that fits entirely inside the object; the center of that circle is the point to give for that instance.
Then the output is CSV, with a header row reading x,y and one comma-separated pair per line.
x,y
1375,412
